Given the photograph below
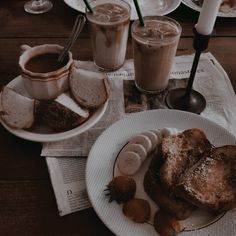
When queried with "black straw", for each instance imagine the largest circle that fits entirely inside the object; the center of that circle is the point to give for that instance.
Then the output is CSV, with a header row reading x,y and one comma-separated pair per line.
x,y
88,6
141,22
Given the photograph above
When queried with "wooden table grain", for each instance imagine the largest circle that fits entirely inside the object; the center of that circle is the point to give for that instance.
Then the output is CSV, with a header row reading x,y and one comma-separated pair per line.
x,y
27,201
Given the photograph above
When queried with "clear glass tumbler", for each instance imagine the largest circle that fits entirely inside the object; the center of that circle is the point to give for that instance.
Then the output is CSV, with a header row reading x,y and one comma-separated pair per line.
x,y
109,28
154,49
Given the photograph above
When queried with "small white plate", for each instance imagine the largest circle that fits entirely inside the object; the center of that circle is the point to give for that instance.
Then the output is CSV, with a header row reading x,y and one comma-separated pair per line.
x,y
101,168
194,6
147,7
44,134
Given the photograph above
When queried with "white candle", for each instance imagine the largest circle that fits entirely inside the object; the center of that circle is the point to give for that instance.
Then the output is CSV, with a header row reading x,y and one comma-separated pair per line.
x,y
208,16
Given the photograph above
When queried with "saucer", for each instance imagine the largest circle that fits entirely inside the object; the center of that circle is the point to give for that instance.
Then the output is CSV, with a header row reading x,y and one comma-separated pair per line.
x,y
148,7
42,133
101,168
194,6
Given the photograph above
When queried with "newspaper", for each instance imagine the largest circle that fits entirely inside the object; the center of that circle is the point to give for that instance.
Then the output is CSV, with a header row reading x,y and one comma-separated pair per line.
x,y
211,81
67,176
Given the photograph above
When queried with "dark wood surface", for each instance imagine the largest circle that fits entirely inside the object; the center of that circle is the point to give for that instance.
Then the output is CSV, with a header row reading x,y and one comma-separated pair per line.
x,y
27,202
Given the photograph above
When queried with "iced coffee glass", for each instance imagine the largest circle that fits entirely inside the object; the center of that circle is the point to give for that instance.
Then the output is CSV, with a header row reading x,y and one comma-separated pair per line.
x,y
154,49
109,28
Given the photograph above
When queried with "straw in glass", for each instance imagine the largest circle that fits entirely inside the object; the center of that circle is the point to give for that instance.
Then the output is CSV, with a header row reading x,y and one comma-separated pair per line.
x,y
88,6
141,21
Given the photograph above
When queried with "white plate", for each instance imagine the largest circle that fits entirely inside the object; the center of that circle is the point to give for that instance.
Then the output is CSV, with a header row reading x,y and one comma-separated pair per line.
x,y
43,133
192,5
148,7
101,159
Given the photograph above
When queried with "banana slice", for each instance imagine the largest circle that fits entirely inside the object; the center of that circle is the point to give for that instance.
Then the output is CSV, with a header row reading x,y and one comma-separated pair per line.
x,y
158,134
137,148
174,131
143,140
129,162
167,131
153,137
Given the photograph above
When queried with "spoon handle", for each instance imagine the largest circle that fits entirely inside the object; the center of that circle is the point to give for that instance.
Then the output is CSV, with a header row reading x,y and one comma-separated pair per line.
x,y
77,28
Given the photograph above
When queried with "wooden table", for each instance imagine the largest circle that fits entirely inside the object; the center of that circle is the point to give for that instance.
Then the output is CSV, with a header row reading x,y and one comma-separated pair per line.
x,y
27,202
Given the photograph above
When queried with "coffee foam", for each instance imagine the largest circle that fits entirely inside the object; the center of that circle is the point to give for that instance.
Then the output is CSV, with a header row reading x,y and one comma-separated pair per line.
x,y
156,31
109,13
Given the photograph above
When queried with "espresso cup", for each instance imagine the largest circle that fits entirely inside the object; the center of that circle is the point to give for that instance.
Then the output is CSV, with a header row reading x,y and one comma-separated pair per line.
x,y
43,77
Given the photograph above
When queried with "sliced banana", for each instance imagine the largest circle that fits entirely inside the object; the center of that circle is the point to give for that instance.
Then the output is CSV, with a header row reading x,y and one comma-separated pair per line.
x,y
129,162
174,131
167,131
143,140
158,134
153,137
137,148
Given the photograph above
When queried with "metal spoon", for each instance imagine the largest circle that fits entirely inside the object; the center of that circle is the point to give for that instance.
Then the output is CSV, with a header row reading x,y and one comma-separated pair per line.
x,y
77,28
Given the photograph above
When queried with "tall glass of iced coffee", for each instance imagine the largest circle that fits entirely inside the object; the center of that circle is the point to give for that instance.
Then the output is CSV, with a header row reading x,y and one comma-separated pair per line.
x,y
109,28
154,49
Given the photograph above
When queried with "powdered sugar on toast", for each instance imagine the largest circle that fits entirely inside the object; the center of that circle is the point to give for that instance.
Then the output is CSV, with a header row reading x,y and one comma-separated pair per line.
x,y
179,152
210,183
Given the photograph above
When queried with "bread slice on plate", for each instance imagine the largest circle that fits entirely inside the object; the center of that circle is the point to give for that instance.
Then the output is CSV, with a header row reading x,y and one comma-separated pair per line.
x,y
60,117
90,89
177,207
211,182
189,172
17,111
180,152
177,153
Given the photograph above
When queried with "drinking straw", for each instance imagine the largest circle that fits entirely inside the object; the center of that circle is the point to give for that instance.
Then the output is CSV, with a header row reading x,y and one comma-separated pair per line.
x,y
141,22
88,6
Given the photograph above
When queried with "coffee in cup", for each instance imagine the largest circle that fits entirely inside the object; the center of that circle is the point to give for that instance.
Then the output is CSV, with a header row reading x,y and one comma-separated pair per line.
x,y
43,76
109,28
154,49
44,63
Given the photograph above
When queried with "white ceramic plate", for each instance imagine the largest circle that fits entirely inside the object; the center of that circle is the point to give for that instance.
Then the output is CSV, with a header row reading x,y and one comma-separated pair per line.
x,y
192,5
43,133
100,167
148,7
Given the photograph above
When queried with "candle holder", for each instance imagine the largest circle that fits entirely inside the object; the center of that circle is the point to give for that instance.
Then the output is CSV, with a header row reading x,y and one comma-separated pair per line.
x,y
188,99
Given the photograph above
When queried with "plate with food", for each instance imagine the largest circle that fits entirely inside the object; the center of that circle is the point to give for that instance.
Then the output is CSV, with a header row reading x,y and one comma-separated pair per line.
x,y
158,172
227,8
148,7
70,114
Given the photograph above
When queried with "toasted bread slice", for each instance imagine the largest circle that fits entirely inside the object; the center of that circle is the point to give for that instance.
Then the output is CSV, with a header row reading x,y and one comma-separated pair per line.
x,y
18,111
58,116
180,152
211,182
176,207
89,89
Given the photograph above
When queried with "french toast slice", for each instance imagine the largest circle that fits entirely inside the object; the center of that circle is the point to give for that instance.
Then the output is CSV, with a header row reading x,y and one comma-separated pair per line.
x,y
176,207
211,182
180,152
